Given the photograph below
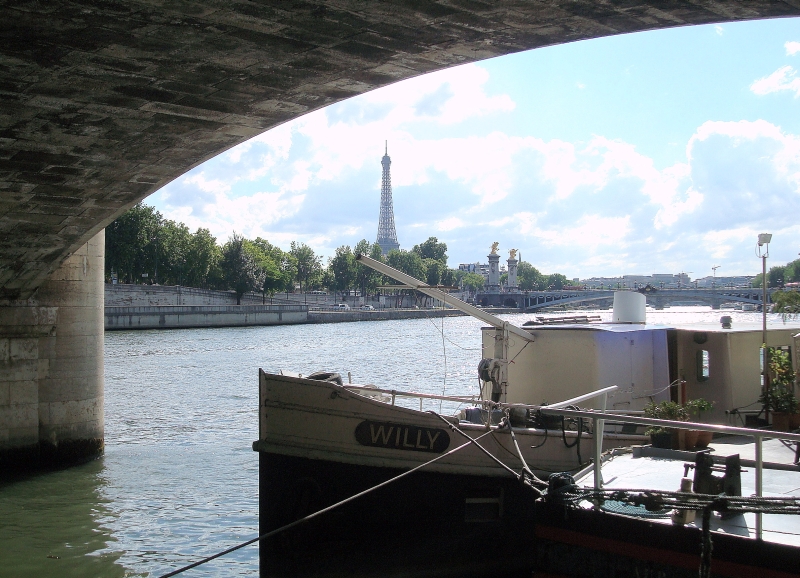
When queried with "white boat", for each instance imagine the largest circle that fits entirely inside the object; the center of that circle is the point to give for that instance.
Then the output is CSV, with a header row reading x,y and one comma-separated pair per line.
x,y
321,441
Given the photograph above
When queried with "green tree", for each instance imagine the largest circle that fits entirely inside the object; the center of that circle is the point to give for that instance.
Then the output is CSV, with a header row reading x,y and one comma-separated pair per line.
x,y
267,258
529,278
792,272
174,240
131,243
432,249
434,269
556,281
203,256
342,268
473,281
780,274
240,268
308,267
786,302
449,277
367,279
408,262
285,263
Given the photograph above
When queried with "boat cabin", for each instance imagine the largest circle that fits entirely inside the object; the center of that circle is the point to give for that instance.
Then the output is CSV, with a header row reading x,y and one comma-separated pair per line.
x,y
646,362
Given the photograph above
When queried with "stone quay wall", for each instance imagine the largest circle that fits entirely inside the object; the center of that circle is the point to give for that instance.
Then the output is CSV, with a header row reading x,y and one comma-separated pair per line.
x,y
173,317
379,315
168,295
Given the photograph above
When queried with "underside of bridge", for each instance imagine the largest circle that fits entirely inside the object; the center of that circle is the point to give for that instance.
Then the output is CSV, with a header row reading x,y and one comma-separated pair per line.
x,y
105,102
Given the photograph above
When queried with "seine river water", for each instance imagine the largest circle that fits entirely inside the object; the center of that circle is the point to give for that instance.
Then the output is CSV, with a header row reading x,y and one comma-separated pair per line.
x,y
179,479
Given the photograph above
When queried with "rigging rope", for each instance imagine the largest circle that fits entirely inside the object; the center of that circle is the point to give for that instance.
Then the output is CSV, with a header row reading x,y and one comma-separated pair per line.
x,y
521,477
320,512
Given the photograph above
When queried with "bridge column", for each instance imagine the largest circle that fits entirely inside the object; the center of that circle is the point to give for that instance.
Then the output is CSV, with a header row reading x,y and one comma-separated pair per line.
x,y
51,367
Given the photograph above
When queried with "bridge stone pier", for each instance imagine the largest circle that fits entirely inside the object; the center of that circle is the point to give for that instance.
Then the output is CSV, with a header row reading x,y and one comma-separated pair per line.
x,y
51,367
103,103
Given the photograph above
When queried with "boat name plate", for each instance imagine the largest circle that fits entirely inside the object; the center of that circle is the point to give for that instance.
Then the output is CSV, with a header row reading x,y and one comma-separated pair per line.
x,y
399,436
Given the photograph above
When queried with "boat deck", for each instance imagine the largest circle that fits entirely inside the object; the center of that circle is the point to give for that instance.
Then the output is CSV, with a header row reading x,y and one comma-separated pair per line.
x,y
663,470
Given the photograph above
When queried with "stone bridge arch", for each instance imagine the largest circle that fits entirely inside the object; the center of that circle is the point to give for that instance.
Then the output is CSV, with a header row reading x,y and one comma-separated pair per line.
x,y
105,102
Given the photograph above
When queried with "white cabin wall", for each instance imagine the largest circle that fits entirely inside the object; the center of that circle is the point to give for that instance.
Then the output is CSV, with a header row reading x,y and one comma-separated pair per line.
x,y
745,374
636,362
558,365
734,368
721,370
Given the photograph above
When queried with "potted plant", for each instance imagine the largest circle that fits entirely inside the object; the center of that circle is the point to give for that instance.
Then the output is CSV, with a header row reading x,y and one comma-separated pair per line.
x,y
781,401
659,437
696,438
665,410
779,397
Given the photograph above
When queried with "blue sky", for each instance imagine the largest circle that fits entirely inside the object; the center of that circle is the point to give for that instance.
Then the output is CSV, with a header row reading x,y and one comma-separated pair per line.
x,y
657,152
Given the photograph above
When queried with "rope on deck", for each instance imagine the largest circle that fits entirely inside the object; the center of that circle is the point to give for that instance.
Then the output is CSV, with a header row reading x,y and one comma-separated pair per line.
x,y
659,500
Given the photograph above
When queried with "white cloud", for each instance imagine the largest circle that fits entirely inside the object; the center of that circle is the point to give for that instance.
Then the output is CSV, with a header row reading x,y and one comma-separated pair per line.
x,y
449,224
792,48
595,205
782,79
217,186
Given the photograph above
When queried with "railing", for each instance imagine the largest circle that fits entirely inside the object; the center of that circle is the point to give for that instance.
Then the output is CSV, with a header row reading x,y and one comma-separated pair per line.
x,y
598,418
757,434
395,394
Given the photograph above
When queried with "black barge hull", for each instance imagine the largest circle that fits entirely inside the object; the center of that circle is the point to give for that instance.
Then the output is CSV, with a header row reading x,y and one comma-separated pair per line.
x,y
434,524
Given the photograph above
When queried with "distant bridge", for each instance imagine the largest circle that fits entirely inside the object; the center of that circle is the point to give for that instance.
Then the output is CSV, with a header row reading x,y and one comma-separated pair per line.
x,y
658,298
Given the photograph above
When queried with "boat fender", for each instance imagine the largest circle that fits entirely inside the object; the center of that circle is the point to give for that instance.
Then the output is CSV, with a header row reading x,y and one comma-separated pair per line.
x,y
331,376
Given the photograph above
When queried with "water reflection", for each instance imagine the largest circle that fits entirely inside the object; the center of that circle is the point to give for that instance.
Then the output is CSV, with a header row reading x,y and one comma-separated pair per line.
x,y
57,524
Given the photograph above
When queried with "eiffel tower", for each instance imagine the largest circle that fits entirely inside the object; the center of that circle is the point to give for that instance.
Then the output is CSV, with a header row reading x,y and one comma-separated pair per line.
x,y
387,236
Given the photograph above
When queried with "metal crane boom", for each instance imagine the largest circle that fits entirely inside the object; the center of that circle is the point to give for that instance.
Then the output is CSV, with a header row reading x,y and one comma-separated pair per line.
x,y
413,283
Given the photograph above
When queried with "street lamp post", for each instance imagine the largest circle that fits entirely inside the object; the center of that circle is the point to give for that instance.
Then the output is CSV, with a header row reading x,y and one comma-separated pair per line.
x,y
714,300
762,251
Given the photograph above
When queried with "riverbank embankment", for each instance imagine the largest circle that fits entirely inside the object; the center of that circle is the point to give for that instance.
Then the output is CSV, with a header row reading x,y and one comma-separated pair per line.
x,y
175,307
177,317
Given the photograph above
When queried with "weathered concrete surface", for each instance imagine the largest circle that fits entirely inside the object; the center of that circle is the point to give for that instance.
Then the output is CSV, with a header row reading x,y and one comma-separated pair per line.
x,y
379,315
174,317
51,366
105,102
166,295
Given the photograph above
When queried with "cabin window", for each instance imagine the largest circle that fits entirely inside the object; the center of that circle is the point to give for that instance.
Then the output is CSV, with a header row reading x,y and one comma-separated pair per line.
x,y
702,365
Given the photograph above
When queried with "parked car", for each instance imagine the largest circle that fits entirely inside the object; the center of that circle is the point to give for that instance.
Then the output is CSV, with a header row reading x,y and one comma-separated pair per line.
x,y
343,306
367,308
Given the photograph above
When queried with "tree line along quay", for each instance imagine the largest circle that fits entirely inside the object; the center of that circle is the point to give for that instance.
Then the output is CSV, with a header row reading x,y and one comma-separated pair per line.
x,y
143,247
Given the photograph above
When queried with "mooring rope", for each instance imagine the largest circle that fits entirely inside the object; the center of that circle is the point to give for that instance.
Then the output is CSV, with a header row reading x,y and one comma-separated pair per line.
x,y
317,513
474,441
